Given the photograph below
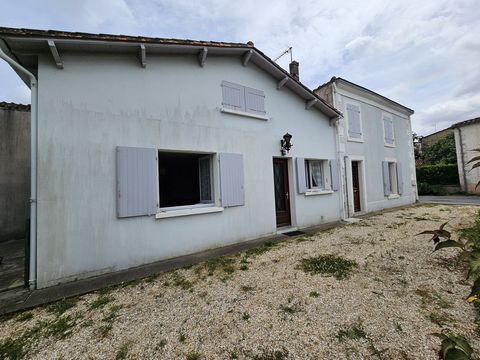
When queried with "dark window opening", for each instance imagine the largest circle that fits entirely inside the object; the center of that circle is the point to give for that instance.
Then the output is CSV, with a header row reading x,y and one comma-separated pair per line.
x,y
184,179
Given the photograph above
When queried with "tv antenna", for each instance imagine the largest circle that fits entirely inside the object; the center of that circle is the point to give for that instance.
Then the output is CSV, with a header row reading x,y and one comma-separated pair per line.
x,y
289,50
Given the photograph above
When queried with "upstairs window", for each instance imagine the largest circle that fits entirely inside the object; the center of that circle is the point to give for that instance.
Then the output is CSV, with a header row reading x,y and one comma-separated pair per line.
x,y
389,136
244,99
354,123
184,179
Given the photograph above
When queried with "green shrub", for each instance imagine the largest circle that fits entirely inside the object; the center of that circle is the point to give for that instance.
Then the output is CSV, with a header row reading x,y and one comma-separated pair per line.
x,y
427,189
438,174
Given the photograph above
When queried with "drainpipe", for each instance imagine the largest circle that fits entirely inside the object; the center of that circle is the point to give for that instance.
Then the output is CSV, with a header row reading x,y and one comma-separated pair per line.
x,y
344,213
32,276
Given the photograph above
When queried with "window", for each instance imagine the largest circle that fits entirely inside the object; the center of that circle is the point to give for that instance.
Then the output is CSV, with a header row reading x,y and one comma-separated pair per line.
x,y
392,178
354,123
389,136
314,174
392,172
244,99
184,179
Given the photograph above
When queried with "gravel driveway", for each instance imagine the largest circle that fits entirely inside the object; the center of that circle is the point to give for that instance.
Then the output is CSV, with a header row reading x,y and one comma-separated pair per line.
x,y
261,305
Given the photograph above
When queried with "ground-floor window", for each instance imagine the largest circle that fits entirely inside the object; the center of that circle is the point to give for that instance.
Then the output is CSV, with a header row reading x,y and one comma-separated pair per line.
x,y
315,174
184,178
392,171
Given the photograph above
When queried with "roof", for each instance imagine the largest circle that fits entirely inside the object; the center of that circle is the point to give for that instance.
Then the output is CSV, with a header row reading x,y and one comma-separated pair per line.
x,y
25,44
437,132
377,95
13,107
466,122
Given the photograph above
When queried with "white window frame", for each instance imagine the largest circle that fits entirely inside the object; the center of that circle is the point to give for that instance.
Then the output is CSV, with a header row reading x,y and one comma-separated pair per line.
x,y
354,103
393,182
326,186
389,117
182,210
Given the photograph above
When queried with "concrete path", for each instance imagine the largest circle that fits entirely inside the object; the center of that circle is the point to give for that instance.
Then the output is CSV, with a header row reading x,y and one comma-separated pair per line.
x,y
450,200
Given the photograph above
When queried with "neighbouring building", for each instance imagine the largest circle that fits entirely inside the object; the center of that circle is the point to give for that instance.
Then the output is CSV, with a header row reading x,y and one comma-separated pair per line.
x,y
375,147
467,138
14,170
150,149
429,140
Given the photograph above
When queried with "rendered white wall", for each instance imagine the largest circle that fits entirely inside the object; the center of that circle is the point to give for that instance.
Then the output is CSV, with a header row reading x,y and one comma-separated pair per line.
x,y
99,102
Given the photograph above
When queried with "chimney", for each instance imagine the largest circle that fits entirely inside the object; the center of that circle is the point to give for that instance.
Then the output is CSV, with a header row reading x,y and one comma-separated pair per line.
x,y
294,70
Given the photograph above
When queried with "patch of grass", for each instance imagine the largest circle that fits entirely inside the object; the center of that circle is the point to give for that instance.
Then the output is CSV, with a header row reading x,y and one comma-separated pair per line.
x,y
182,337
267,246
180,281
243,267
59,307
398,326
271,355
329,265
122,352
14,348
439,318
247,288
314,294
152,278
25,316
161,344
353,332
246,316
109,318
193,355
225,263
61,327
290,309
100,302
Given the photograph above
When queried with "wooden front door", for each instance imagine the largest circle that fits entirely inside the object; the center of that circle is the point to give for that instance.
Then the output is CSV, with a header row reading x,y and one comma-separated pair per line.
x,y
356,187
282,199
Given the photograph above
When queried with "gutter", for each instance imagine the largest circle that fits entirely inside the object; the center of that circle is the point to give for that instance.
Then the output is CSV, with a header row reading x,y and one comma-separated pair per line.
x,y
32,276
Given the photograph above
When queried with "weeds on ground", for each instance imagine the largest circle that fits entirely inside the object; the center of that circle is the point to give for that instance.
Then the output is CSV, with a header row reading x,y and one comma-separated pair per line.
x,y
314,294
109,318
353,332
246,316
328,265
25,316
122,352
271,355
439,319
182,337
267,246
225,263
59,307
180,281
247,288
100,302
193,355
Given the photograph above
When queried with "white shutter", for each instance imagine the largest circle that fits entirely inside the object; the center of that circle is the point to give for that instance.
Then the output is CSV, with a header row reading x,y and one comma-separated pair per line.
x,y
354,123
399,179
334,174
254,101
388,130
233,96
301,180
386,178
232,179
137,181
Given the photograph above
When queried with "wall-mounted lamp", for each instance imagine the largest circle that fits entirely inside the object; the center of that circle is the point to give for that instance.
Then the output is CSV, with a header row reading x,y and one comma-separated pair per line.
x,y
285,144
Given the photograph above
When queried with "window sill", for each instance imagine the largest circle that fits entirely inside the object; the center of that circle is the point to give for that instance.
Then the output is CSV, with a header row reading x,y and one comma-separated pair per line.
x,y
355,140
318,192
393,196
187,212
389,145
243,113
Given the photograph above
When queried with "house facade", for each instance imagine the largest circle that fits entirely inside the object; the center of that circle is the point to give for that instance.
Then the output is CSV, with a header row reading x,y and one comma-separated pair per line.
x,y
148,149
375,148
467,138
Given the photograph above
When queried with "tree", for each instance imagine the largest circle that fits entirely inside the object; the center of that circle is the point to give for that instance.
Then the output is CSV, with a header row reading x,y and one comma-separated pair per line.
x,y
442,152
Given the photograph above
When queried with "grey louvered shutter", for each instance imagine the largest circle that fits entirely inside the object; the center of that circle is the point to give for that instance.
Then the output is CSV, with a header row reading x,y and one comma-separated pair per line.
x,y
137,183
386,178
232,179
388,129
233,96
354,125
301,180
334,174
254,101
399,179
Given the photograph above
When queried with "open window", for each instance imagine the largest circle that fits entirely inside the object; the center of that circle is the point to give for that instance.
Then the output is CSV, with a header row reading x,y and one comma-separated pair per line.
x,y
185,179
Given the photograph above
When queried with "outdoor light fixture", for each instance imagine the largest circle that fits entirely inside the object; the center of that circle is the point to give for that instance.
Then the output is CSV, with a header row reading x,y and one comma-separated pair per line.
x,y
285,144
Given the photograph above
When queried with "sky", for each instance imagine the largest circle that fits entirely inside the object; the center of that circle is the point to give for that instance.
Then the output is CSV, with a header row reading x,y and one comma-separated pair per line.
x,y
422,54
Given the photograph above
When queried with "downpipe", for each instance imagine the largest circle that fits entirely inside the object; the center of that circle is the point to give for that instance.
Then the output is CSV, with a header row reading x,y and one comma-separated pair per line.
x,y
32,276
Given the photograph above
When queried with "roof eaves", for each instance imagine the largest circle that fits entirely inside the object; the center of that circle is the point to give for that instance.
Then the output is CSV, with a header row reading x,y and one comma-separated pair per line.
x,y
13,106
466,122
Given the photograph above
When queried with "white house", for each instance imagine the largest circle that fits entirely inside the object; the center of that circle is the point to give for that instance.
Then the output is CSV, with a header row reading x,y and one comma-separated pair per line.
x,y
375,148
146,149
467,139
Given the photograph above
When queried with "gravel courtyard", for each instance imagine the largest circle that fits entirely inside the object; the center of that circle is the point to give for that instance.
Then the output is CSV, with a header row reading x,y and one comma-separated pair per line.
x,y
261,305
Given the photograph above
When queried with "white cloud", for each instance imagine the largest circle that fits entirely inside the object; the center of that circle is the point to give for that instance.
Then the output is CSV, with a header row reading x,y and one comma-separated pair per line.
x,y
422,54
